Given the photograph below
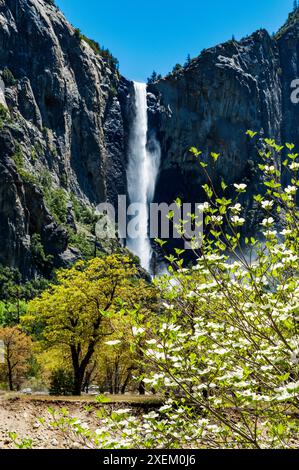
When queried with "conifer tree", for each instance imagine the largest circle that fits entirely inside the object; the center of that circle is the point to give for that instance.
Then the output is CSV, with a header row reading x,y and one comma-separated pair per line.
x,y
153,78
188,60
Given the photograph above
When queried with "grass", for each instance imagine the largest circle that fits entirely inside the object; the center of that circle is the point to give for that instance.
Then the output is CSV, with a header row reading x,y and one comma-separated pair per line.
x,y
134,400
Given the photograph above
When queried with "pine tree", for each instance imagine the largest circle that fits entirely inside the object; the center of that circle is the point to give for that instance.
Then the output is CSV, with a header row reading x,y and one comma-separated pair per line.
x,y
188,61
176,68
295,5
153,78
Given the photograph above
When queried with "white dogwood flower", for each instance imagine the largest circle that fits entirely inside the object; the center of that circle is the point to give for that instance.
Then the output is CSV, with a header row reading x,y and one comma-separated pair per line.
x,y
240,187
237,221
267,222
267,204
291,190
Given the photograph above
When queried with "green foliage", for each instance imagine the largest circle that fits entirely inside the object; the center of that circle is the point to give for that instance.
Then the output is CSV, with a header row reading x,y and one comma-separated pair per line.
x,y
155,77
83,214
24,443
37,151
188,61
10,312
38,253
15,293
61,382
87,305
4,115
93,44
3,112
56,200
8,77
81,241
113,91
104,53
9,278
177,68
18,159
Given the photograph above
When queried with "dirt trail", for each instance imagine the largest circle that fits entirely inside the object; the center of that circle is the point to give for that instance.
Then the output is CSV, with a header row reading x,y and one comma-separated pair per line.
x,y
22,417
20,414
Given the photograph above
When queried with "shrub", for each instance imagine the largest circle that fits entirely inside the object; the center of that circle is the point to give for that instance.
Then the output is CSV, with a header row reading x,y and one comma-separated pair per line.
x,y
4,115
8,77
38,253
82,243
3,112
56,200
83,214
61,382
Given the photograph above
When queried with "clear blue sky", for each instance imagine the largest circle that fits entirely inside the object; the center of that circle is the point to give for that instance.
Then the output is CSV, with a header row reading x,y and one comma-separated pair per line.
x,y
156,34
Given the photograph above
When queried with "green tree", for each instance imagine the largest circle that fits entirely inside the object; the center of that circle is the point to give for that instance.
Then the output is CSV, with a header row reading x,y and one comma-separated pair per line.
x,y
61,382
153,78
77,313
177,68
188,61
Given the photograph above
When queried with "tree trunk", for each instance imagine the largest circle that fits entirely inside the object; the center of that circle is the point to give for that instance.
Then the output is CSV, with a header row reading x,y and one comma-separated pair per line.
x,y
9,370
124,385
10,381
80,368
141,388
78,382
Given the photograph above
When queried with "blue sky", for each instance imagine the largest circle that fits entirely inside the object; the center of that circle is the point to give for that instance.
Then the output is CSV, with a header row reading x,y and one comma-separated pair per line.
x,y
157,34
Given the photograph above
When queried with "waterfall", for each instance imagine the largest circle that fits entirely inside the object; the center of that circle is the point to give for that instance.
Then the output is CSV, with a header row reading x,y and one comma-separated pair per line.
x,y
142,172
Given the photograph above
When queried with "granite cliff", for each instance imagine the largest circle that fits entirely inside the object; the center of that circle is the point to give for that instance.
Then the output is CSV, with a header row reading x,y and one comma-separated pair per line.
x,y
62,130
211,103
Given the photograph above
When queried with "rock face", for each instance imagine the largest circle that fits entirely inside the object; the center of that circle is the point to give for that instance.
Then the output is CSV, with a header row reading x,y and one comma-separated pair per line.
x,y
211,103
64,118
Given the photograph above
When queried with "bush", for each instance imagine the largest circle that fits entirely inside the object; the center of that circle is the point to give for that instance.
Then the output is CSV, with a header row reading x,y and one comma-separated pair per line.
x,y
81,242
8,77
83,214
3,112
38,253
56,200
61,383
4,115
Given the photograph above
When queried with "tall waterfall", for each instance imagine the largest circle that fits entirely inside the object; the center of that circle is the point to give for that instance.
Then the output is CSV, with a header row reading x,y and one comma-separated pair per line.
x,y
142,172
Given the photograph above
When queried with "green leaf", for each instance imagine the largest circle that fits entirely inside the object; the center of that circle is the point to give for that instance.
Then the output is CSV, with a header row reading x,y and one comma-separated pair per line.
x,y
215,156
290,146
251,134
160,242
223,185
195,151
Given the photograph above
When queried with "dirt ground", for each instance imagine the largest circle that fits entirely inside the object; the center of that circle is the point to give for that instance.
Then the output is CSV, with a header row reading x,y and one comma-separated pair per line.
x,y
21,414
